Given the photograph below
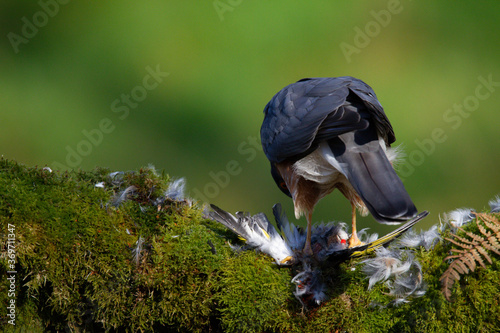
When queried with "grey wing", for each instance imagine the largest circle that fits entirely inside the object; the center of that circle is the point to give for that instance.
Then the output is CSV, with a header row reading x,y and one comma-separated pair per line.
x,y
369,99
242,223
228,220
263,222
312,110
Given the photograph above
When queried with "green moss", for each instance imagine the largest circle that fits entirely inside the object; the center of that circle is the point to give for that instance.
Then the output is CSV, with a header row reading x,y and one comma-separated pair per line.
x,y
254,295
76,270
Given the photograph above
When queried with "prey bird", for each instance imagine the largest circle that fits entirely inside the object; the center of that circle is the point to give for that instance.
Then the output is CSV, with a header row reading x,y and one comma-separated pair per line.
x,y
322,134
285,243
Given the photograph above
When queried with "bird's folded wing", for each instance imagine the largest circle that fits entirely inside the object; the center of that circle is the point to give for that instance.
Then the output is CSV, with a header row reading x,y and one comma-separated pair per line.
x,y
229,221
257,232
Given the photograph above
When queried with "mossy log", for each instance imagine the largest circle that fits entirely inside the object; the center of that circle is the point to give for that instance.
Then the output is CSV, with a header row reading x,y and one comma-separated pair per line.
x,y
85,263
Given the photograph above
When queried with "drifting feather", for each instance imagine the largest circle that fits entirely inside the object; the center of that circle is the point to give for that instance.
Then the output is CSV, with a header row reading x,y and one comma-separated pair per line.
x,y
123,196
100,185
116,177
399,269
365,237
396,155
386,263
459,217
152,168
399,301
408,283
175,190
136,251
495,204
428,239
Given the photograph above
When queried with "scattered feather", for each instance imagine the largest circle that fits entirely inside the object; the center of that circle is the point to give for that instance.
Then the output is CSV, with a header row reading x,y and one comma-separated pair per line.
x,y
100,184
495,204
386,263
428,239
175,190
396,155
212,247
116,178
47,169
152,168
238,248
408,283
123,196
400,301
399,269
365,237
459,217
136,251
329,244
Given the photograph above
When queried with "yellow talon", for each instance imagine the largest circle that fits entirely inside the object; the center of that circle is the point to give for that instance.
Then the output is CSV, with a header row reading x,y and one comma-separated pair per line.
x,y
287,260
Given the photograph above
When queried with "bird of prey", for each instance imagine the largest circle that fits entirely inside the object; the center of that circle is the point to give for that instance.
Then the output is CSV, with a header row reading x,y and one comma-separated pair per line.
x,y
322,134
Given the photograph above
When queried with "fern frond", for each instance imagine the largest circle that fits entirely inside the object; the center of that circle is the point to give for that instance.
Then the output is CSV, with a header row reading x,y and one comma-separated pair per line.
x,y
475,254
483,230
472,249
475,238
490,221
461,244
462,239
483,251
493,245
456,251
447,281
461,267
492,248
469,260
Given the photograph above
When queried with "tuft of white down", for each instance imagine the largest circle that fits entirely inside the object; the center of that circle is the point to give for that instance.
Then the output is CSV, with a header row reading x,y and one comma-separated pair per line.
x,y
267,241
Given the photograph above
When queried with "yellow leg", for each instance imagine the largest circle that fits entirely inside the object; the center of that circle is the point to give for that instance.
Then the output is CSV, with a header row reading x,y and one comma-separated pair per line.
x,y
354,240
307,248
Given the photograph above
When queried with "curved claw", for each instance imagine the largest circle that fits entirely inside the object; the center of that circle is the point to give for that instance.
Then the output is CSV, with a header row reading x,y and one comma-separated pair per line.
x,y
354,241
287,261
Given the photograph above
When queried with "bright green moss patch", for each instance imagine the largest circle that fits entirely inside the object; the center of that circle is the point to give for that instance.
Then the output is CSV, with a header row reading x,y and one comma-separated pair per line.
x,y
79,268
254,294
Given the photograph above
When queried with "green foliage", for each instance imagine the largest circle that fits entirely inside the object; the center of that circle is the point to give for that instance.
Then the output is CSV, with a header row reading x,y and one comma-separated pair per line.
x,y
254,294
471,248
76,269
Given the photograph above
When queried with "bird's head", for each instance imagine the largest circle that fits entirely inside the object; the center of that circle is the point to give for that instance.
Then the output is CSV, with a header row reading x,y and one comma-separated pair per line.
x,y
279,180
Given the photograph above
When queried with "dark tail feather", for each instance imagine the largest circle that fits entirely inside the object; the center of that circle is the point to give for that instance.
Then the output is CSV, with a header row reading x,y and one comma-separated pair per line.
x,y
228,220
374,179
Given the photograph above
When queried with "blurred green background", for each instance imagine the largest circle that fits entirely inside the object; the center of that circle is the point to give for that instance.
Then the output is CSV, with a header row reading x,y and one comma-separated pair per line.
x,y
67,68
